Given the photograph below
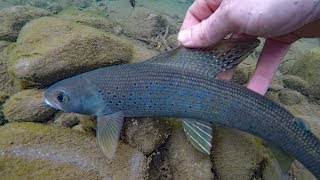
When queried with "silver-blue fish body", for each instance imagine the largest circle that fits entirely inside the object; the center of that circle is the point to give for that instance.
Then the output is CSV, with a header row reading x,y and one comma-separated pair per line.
x,y
171,90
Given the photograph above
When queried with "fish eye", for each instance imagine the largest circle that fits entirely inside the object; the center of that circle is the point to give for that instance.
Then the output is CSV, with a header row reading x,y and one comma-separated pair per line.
x,y
62,97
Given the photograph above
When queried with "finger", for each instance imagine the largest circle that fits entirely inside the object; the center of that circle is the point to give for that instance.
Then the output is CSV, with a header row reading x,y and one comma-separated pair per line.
x,y
268,63
207,32
198,11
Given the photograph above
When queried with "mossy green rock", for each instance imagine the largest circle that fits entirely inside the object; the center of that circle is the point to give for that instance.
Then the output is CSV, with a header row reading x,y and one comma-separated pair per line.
x,y
50,49
6,81
239,155
27,105
146,134
296,83
12,19
145,24
37,151
87,17
308,68
186,161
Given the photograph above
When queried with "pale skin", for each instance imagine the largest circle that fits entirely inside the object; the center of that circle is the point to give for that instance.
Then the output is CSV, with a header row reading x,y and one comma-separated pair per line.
x,y
281,22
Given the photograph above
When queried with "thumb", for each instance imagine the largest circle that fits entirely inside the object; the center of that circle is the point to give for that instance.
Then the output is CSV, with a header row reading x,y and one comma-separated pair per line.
x,y
207,32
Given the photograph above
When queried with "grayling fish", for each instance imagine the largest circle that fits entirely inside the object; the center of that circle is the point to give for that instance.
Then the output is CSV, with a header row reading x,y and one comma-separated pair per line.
x,y
182,83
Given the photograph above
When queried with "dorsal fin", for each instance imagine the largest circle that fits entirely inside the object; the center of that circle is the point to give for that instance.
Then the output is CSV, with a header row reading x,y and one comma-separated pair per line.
x,y
210,60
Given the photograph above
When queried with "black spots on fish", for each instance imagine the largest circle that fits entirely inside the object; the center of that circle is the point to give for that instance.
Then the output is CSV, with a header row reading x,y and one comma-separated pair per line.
x,y
133,3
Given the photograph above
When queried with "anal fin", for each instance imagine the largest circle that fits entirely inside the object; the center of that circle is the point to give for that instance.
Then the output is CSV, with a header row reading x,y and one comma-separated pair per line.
x,y
108,133
200,134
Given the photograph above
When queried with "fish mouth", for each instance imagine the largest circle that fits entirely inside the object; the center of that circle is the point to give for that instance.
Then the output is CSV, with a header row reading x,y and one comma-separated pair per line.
x,y
51,104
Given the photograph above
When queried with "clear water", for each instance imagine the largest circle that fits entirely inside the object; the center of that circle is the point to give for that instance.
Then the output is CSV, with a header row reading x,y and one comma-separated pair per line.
x,y
300,99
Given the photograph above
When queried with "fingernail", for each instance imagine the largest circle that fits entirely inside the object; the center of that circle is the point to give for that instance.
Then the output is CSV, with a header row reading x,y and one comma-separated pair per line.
x,y
183,37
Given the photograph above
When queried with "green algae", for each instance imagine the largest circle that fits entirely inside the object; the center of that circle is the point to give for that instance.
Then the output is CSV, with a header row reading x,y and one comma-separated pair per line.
x,y
173,122
17,167
85,12
49,49
24,133
27,105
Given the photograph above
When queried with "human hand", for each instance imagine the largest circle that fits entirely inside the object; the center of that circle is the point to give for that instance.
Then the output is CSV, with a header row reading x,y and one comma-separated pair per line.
x,y
280,21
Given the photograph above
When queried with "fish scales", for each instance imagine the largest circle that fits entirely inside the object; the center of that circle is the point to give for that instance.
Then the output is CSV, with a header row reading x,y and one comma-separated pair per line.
x,y
175,89
167,91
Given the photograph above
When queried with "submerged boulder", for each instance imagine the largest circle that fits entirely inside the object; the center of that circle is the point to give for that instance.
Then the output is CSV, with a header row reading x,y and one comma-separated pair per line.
x,y
145,24
185,160
32,150
239,155
27,105
14,18
6,81
308,68
50,49
146,134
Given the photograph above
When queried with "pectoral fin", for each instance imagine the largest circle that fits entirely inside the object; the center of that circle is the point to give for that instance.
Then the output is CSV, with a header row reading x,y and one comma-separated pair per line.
x,y
199,134
108,133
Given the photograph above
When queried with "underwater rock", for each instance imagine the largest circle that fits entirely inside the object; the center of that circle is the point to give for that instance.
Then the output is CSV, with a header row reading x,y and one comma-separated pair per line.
x,y
50,49
39,3
145,24
241,74
185,160
308,68
27,105
87,17
236,155
173,41
6,81
290,97
14,18
63,119
3,97
88,123
159,164
276,83
273,95
55,8
296,83
244,71
32,150
146,134
298,172
79,4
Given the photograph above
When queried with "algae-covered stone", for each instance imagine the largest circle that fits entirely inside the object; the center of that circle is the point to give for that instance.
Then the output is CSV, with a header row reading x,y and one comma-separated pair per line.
x,y
298,172
290,97
27,105
236,154
145,24
50,49
3,97
296,83
14,18
55,8
146,134
6,81
63,119
33,151
87,17
308,68
185,160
